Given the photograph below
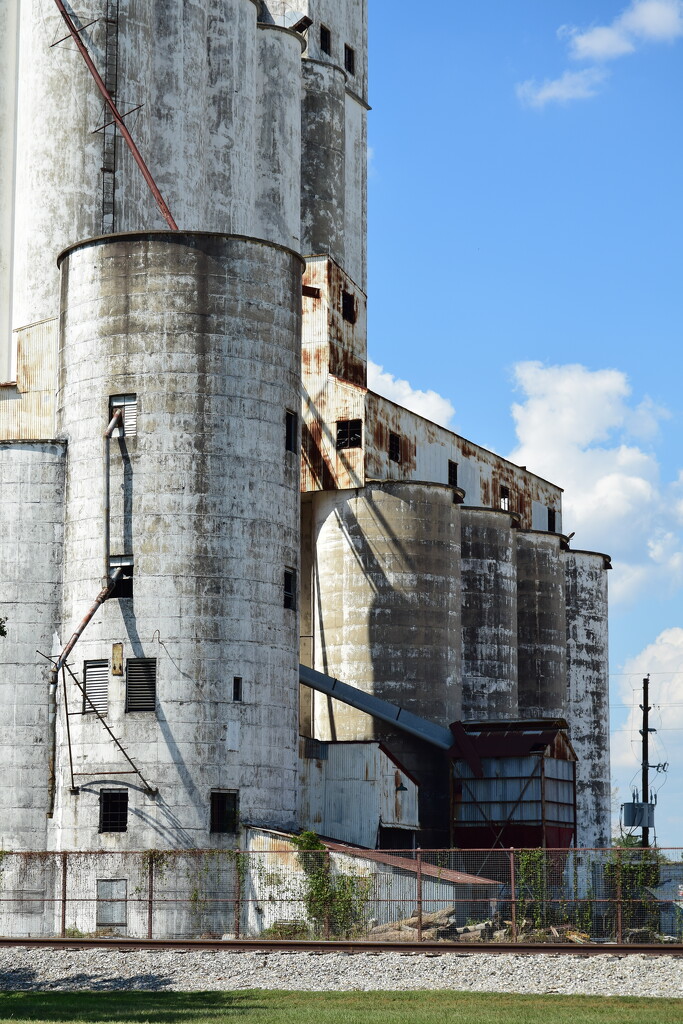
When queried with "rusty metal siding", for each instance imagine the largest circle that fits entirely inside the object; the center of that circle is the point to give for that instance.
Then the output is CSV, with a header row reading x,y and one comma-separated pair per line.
x,y
27,409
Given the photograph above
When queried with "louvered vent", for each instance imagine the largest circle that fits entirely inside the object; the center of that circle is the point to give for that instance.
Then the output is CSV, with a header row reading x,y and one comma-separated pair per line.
x,y
129,405
96,686
141,684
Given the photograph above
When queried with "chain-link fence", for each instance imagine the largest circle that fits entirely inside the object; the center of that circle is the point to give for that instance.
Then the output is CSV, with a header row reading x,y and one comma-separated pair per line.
x,y
281,892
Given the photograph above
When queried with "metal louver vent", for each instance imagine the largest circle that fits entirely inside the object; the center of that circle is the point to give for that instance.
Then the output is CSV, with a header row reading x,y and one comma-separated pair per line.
x,y
129,405
96,687
141,684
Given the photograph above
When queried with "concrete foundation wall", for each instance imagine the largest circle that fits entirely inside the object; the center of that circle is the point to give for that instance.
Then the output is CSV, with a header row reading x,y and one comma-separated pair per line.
x,y
31,510
205,331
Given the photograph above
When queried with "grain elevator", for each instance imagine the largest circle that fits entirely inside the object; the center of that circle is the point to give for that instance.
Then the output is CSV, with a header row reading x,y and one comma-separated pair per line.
x,y
198,491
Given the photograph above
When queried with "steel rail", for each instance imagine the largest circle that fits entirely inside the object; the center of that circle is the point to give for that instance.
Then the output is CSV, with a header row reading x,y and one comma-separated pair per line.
x,y
355,946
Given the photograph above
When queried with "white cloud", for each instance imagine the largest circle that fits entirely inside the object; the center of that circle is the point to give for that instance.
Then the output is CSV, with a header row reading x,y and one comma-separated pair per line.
x,y
644,21
427,403
663,660
572,85
574,426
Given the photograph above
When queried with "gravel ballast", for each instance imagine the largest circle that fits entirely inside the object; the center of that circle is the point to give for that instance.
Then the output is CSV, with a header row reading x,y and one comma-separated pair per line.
x,y
25,969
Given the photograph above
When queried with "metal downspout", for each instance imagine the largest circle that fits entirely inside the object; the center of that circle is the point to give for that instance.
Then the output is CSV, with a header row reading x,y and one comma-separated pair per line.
x,y
116,419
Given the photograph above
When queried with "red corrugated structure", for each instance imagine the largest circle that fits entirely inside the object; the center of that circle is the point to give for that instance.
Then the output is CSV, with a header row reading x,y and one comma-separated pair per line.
x,y
514,784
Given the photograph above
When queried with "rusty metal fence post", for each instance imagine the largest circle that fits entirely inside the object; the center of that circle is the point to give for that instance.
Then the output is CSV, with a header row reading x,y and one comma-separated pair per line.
x,y
150,893
64,876
327,902
419,895
238,893
513,895
620,918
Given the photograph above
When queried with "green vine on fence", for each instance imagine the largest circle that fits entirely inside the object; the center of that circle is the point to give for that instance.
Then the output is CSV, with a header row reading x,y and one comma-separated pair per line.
x,y
335,904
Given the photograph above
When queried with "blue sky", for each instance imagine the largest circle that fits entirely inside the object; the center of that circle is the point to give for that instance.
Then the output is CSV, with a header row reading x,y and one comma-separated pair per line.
x,y
525,235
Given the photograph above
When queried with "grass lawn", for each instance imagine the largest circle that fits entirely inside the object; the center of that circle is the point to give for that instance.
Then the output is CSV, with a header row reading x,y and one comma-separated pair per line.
x,y
267,1007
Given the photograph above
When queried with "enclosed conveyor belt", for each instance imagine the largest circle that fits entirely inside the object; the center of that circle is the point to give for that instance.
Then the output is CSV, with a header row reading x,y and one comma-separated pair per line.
x,y
423,729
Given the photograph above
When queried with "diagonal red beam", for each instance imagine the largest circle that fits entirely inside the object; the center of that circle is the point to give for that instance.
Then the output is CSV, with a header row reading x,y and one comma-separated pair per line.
x,y
137,156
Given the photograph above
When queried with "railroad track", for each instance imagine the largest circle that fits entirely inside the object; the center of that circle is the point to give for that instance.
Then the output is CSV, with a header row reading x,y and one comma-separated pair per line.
x,y
353,947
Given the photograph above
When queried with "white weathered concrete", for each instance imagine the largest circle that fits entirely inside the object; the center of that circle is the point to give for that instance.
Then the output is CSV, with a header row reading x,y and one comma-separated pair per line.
x,y
9,41
205,331
31,553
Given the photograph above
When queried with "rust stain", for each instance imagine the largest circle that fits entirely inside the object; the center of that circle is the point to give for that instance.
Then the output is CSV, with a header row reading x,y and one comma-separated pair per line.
x,y
316,471
346,364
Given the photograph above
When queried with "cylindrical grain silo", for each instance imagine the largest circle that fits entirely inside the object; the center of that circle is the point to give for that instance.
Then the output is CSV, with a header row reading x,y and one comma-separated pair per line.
x,y
541,625
58,196
489,615
277,213
9,44
193,66
31,503
323,159
588,691
386,606
197,338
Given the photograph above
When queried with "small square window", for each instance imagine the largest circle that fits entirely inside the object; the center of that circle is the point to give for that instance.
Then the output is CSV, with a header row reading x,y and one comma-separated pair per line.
x,y
350,59
291,431
113,810
124,584
452,473
111,902
128,404
141,684
395,447
348,307
349,434
325,39
95,687
505,499
552,520
237,688
223,811
290,589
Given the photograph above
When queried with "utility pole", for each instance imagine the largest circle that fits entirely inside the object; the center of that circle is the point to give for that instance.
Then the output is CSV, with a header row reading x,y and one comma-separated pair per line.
x,y
645,782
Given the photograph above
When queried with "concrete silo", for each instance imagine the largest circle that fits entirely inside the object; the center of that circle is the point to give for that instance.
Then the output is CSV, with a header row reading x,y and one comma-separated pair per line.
x,y
197,337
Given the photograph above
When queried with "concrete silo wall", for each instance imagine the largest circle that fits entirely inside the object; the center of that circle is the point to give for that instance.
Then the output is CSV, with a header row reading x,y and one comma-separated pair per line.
x,y
588,692
386,610
204,330
489,615
31,500
541,626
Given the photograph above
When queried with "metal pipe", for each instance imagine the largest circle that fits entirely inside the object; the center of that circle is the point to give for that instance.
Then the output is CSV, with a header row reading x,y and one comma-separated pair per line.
x,y
120,124
113,423
423,729
53,679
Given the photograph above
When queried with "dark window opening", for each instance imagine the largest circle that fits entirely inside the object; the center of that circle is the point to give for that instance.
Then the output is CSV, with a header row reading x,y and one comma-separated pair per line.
x,y
111,902
452,473
128,424
505,499
290,589
349,434
141,684
552,520
223,811
348,307
237,688
325,39
395,447
310,291
350,59
291,431
95,686
113,810
124,584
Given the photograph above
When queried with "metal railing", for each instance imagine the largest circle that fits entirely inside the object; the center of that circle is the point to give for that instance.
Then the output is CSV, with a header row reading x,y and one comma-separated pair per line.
x,y
516,896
